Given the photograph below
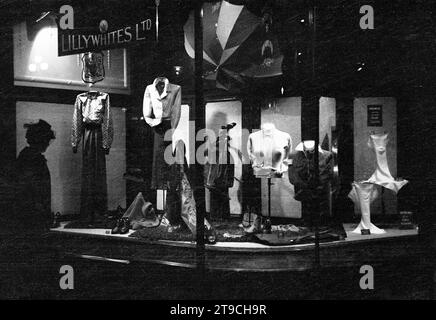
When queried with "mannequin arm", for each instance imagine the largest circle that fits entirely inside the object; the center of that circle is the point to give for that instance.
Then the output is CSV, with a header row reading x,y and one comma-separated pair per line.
x,y
77,123
176,109
107,126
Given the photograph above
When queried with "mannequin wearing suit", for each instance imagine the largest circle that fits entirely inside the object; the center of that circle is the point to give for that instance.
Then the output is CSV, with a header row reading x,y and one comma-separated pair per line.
x,y
161,109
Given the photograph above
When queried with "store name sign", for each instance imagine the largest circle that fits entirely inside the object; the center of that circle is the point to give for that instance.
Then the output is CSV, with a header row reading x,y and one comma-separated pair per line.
x,y
73,39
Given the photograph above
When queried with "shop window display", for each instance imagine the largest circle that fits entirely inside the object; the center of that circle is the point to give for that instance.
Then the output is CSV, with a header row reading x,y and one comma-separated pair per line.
x,y
293,185
264,153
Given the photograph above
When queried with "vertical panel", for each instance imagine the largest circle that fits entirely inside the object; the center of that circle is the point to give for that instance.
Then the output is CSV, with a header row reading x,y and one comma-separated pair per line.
x,y
286,116
327,121
64,165
365,161
218,114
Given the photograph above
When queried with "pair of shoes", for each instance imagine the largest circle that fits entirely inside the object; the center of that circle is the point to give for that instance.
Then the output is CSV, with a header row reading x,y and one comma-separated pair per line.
x,y
253,225
248,219
122,226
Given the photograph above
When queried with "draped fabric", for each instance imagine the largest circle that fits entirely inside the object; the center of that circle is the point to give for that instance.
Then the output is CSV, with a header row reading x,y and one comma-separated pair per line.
x,y
363,194
382,175
92,123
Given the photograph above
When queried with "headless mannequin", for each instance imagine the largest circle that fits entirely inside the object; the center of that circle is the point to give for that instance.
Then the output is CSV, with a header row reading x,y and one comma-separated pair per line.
x,y
307,189
161,109
269,150
363,194
160,194
92,126
382,176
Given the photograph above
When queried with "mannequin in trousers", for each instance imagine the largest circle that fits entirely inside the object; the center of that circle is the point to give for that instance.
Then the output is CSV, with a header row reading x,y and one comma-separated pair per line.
x,y
161,109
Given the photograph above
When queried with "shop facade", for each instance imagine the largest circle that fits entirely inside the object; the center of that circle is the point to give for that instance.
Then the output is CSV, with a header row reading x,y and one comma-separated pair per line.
x,y
227,136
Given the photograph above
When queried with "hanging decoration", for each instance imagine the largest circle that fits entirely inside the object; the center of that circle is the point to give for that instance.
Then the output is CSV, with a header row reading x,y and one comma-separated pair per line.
x,y
237,45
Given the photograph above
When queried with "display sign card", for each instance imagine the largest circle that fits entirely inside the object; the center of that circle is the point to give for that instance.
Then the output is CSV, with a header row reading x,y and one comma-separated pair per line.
x,y
365,232
406,220
103,27
375,115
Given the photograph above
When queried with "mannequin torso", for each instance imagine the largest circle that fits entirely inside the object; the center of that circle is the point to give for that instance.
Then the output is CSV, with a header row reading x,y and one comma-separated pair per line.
x,y
269,149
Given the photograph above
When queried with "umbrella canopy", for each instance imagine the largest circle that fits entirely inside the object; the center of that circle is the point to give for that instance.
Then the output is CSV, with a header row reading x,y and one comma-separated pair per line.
x,y
236,45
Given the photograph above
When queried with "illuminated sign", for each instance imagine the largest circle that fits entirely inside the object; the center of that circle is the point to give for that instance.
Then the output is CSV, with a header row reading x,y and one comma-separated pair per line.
x,y
103,28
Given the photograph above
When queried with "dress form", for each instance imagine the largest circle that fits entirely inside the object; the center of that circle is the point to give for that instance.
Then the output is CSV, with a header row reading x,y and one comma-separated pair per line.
x,y
268,150
363,194
93,127
382,175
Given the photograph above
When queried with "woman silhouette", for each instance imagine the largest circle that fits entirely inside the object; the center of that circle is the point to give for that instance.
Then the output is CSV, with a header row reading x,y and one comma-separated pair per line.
x,y
33,188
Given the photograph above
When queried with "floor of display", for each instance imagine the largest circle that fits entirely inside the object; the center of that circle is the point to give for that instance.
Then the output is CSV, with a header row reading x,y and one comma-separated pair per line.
x,y
351,238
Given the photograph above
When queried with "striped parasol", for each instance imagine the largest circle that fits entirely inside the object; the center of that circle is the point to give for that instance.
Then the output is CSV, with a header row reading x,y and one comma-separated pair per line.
x,y
236,45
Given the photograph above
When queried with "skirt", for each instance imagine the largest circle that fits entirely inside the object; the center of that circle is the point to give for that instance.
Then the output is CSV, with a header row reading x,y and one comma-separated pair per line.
x,y
93,198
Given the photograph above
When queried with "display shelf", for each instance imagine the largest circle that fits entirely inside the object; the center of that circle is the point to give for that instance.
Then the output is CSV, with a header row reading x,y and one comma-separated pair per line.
x,y
355,250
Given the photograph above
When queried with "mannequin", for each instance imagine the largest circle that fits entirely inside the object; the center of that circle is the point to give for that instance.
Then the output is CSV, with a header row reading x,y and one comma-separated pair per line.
x,y
92,123
268,150
382,176
161,109
302,176
363,194
219,175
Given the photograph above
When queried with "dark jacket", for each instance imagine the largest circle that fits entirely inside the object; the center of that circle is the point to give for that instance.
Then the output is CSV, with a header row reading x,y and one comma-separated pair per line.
x,y
302,175
220,173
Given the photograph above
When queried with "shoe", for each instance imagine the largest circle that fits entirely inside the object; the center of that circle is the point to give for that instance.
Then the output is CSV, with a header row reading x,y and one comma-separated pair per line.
x,y
174,228
255,226
210,236
267,226
117,227
125,226
56,220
